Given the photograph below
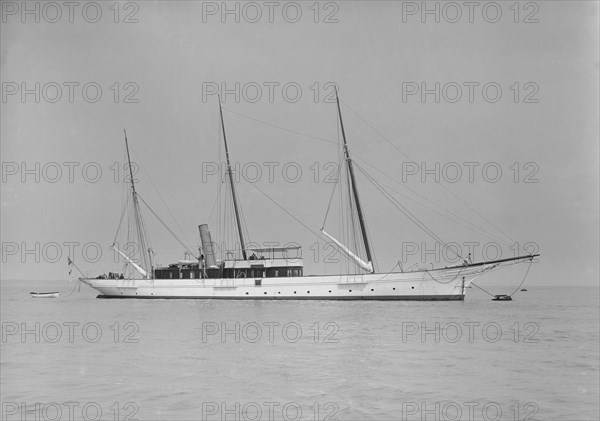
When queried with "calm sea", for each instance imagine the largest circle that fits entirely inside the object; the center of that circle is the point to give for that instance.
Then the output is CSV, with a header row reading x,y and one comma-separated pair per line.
x,y
77,357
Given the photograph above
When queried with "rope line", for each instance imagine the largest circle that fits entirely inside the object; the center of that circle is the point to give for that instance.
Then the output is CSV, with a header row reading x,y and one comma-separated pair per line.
x,y
320,139
160,197
524,277
166,226
407,213
517,289
73,289
333,191
453,218
477,286
121,219
444,187
440,282
288,212
469,223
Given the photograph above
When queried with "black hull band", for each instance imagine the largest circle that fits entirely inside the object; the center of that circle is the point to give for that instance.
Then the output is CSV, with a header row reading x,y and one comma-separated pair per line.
x,y
372,298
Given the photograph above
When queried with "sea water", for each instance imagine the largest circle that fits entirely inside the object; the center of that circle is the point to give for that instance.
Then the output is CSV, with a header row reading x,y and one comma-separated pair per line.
x,y
77,357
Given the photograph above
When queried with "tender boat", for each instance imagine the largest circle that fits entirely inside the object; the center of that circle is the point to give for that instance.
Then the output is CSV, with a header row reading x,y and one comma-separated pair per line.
x,y
502,297
53,294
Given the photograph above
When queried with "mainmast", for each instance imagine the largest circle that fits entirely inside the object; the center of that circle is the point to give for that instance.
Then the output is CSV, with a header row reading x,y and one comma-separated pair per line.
x,y
235,205
361,218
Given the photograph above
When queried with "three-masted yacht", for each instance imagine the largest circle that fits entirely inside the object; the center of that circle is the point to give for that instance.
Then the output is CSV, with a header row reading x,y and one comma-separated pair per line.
x,y
270,273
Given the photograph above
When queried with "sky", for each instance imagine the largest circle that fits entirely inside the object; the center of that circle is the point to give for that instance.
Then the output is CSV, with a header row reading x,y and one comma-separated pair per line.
x,y
499,104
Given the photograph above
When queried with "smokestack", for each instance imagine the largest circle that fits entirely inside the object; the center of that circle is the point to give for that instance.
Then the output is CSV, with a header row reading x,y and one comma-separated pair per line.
x,y
207,246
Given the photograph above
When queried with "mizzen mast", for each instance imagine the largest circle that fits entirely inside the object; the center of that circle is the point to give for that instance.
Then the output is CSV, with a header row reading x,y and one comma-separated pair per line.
x,y
146,259
235,204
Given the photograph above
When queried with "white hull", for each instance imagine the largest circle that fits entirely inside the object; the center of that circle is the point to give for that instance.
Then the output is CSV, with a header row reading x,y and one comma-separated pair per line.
x,y
440,284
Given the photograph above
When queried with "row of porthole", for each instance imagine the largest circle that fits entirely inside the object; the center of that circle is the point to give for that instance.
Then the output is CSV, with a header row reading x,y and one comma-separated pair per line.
x,y
278,292
308,292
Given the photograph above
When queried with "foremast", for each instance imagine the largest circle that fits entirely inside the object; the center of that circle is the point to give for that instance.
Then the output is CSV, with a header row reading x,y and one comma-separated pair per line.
x,y
361,218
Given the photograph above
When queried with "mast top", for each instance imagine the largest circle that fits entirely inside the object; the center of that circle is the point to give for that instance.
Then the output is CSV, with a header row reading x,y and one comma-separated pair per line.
x,y
129,162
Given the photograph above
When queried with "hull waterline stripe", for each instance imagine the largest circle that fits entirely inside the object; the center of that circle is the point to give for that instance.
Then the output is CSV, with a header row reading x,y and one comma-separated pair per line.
x,y
272,298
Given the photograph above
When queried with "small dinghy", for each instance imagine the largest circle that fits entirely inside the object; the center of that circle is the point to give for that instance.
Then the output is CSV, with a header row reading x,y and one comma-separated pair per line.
x,y
524,289
502,297
44,294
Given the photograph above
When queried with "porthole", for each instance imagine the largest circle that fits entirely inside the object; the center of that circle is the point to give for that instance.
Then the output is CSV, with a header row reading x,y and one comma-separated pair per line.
x,y
265,293
394,289
278,292
350,290
412,287
372,289
246,293
329,291
308,292
294,292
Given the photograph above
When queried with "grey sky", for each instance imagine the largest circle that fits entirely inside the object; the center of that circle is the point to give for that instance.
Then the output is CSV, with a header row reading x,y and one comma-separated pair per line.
x,y
174,53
